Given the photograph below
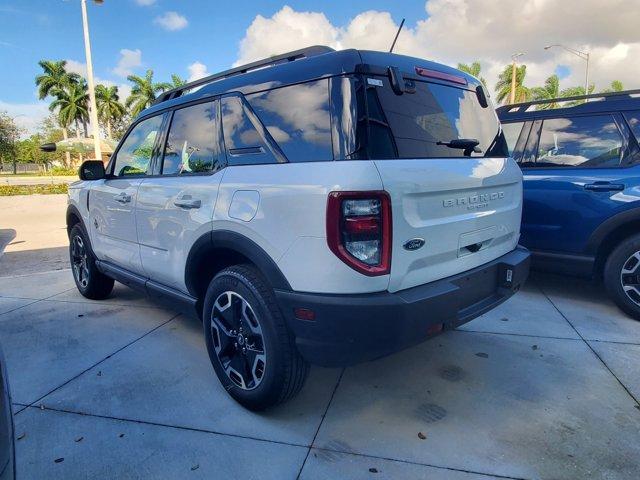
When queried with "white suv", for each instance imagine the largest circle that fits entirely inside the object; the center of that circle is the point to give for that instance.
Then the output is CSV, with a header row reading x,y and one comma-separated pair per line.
x,y
317,207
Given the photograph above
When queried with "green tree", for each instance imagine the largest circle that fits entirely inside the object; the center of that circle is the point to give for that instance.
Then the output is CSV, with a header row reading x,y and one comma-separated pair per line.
x,y
575,92
143,92
474,69
72,104
503,85
550,91
109,107
176,81
9,133
616,86
55,78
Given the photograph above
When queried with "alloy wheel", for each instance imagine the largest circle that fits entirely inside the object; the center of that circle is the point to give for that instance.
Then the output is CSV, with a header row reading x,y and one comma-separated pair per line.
x,y
79,261
238,341
630,277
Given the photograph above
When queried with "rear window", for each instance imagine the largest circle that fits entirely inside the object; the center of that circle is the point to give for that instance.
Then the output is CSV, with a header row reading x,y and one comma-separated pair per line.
x,y
427,123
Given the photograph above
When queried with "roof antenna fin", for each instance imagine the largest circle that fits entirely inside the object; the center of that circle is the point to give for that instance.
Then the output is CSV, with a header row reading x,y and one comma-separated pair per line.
x,y
395,39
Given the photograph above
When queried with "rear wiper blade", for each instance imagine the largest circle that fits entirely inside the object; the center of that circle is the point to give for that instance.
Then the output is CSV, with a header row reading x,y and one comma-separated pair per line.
x,y
467,144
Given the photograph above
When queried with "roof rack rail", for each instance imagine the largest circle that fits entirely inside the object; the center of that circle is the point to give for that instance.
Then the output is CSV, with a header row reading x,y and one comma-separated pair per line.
x,y
524,106
267,62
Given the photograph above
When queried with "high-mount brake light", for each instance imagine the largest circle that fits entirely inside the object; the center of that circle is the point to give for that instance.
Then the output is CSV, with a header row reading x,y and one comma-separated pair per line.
x,y
426,72
359,230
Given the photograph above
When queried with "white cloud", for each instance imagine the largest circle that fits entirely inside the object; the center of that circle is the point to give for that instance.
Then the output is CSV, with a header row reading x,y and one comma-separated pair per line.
x,y
145,3
466,30
27,116
171,21
197,70
129,60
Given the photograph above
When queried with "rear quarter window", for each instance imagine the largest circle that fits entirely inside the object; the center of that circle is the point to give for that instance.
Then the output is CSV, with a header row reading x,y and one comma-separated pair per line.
x,y
298,119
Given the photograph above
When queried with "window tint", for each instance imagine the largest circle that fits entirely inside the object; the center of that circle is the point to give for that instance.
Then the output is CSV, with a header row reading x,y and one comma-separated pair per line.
x,y
420,124
134,155
511,133
633,119
244,142
297,117
192,144
593,141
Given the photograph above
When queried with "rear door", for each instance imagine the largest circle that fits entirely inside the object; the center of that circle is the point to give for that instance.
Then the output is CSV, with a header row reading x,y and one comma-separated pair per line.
x,y
175,205
112,201
462,198
573,179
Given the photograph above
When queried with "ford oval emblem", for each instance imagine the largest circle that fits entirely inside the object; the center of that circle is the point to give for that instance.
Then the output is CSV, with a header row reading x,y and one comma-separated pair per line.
x,y
414,244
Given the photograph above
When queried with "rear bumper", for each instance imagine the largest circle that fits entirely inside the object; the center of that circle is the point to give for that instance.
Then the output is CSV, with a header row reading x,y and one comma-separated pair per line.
x,y
349,329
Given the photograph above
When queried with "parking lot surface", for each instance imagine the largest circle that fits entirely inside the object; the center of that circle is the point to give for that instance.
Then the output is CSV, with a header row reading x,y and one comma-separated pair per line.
x,y
545,386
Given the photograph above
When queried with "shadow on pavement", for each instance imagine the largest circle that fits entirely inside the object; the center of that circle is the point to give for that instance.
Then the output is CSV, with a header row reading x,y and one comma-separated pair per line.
x,y
33,261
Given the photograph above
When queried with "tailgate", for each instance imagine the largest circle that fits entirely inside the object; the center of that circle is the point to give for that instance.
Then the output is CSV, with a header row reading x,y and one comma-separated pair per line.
x,y
467,211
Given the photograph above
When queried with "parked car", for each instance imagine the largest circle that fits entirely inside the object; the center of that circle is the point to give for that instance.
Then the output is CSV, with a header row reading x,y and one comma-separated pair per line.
x,y
7,447
315,207
581,164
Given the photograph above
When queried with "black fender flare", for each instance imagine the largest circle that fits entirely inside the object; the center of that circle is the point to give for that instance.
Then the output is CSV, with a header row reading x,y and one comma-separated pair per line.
x,y
72,211
608,226
229,240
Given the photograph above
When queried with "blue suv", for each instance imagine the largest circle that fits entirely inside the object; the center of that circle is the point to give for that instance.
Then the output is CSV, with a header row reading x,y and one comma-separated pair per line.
x,y
580,158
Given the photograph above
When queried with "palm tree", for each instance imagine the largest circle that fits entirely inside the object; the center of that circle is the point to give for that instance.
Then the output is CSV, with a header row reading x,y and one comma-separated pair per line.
x,y
616,86
143,93
55,77
503,86
72,104
474,69
550,91
176,81
575,92
109,106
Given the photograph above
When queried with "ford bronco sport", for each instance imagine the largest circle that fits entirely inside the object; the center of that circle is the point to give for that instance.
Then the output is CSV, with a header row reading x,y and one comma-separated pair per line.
x,y
316,207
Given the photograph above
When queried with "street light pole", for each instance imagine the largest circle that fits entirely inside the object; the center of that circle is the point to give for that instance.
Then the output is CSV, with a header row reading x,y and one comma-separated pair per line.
x,y
583,55
93,111
512,94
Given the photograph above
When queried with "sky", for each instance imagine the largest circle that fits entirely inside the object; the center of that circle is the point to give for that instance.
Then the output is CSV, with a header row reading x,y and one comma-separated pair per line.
x,y
192,38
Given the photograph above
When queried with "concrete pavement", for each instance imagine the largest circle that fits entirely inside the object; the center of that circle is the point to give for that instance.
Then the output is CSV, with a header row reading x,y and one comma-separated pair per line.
x,y
124,389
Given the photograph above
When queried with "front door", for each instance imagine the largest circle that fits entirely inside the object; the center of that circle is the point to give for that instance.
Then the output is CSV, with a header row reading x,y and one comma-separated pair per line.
x,y
175,206
571,180
112,201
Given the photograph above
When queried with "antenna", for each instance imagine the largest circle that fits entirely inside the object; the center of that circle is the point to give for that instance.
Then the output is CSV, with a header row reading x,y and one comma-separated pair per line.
x,y
395,39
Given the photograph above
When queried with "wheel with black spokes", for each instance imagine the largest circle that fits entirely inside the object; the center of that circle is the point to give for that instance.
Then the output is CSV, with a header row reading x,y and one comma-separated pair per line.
x,y
622,276
250,347
91,283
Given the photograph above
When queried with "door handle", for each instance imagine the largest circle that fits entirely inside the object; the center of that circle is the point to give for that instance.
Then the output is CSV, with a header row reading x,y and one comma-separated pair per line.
x,y
187,202
604,187
122,198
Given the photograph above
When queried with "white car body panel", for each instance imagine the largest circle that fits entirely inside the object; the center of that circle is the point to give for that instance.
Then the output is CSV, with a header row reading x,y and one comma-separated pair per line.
x,y
112,223
166,232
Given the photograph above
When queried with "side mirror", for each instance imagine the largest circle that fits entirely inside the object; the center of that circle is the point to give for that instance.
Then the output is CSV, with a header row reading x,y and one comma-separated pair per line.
x,y
91,170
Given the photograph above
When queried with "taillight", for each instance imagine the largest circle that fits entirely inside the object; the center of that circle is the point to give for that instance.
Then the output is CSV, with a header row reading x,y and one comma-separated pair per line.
x,y
359,230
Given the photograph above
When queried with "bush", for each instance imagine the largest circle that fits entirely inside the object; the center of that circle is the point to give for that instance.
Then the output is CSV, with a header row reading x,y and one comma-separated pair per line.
x,y
70,172
8,190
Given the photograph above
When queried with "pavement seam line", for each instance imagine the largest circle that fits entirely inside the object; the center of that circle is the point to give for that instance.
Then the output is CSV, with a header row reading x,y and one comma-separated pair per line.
x,y
518,335
593,351
35,300
165,425
411,462
40,399
324,414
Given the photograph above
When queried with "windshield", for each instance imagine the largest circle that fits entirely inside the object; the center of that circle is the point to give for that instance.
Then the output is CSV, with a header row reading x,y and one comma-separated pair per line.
x,y
435,121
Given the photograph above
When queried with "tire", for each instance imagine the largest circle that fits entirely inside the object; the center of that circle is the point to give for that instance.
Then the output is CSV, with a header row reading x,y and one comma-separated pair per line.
x,y
622,276
91,283
250,347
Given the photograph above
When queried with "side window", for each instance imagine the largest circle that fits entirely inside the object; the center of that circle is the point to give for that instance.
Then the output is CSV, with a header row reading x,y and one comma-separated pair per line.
x,y
245,144
192,144
511,134
297,117
593,141
134,155
633,119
